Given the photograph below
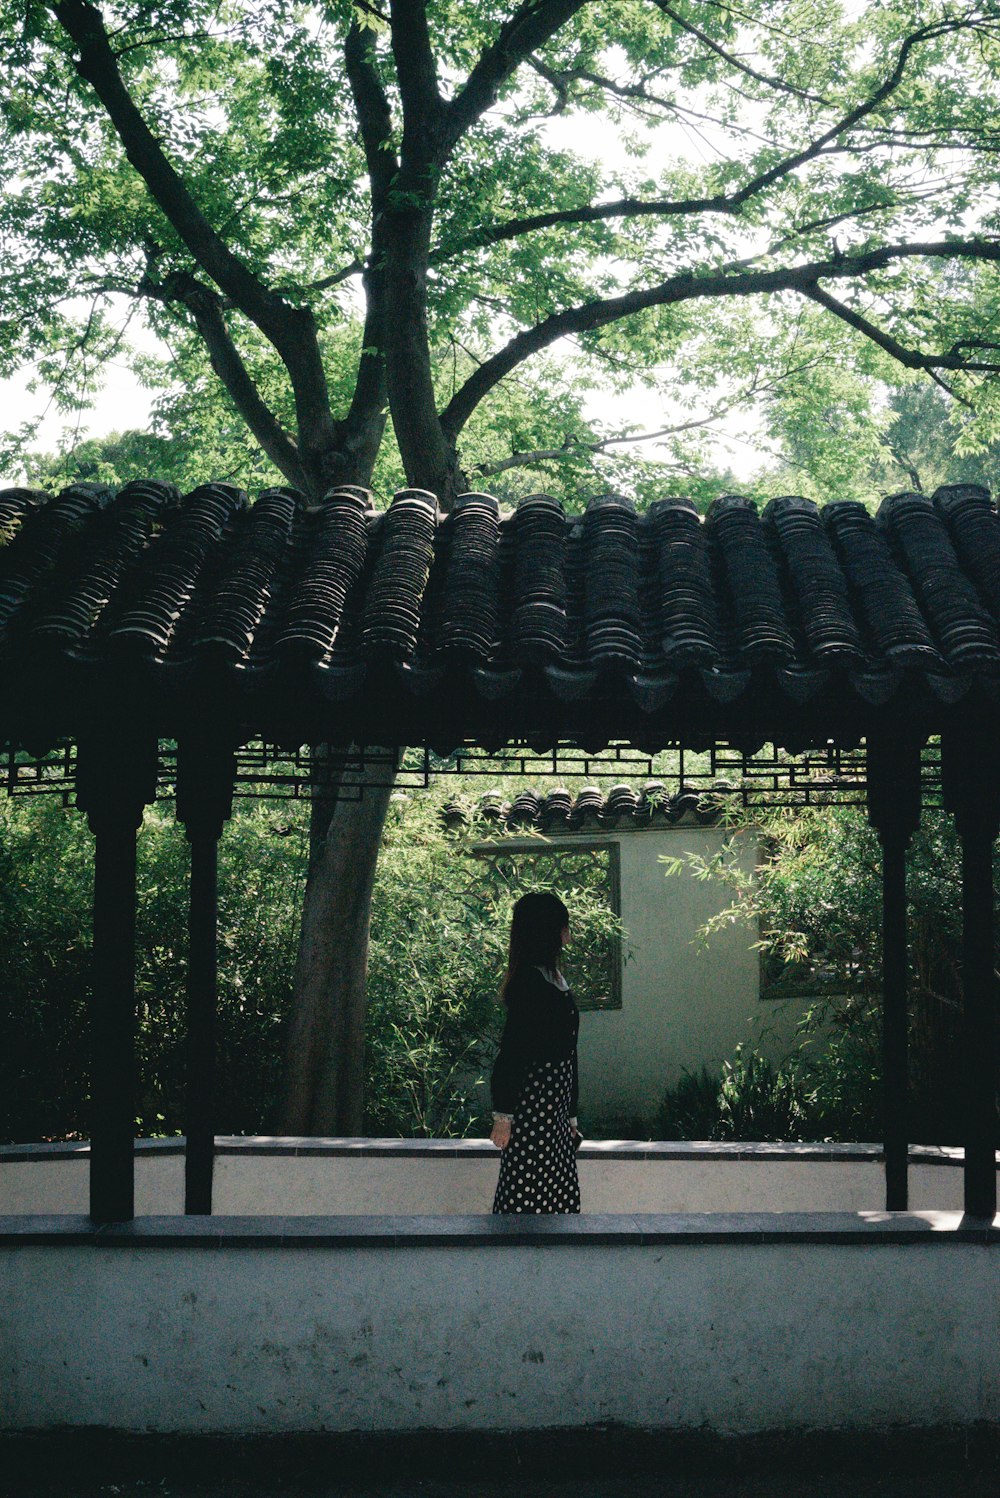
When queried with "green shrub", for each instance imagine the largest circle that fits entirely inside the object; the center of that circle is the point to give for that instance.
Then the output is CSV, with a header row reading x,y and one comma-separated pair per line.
x,y
829,1097
690,1109
816,899
46,890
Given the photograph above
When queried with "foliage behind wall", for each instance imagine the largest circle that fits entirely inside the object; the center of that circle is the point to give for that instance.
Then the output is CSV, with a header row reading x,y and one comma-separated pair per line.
x,y
817,900
436,961
437,956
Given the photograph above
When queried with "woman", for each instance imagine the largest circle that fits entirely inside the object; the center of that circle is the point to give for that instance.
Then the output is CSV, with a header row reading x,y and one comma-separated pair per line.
x,y
535,1076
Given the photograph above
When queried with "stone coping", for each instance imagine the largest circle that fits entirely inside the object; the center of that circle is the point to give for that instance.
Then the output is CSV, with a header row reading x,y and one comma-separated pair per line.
x,y
749,1229
71,1460
666,1152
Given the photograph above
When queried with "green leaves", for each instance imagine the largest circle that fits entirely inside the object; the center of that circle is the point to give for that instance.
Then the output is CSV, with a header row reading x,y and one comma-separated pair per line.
x,y
816,900
773,137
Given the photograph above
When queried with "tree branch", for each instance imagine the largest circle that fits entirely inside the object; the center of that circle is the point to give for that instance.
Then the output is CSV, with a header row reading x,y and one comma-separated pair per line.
x,y
559,82
291,330
591,213
853,116
531,25
206,310
423,107
634,95
903,461
589,316
160,38
372,109
734,62
325,283
909,358
365,421
716,203
572,446
97,65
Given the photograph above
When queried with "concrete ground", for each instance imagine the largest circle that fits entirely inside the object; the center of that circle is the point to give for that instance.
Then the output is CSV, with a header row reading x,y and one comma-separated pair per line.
x,y
946,1463
781,1485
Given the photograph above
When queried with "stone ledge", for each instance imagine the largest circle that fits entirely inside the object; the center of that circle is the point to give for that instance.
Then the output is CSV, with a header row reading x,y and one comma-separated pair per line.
x,y
860,1229
664,1152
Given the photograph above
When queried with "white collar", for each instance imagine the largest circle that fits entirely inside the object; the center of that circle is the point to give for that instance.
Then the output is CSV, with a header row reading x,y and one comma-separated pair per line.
x,y
554,976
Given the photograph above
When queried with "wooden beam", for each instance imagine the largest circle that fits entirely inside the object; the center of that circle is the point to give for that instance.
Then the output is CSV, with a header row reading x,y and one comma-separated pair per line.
x,y
116,777
894,812
205,775
972,795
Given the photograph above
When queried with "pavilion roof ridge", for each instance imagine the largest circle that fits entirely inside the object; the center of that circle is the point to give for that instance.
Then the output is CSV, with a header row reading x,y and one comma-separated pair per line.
x,y
588,809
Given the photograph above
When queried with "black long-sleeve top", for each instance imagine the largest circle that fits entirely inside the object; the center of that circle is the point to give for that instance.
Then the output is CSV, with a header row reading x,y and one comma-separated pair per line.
x,y
542,1025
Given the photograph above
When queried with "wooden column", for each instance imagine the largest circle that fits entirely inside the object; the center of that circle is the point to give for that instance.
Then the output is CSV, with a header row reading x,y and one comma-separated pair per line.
x,y
972,795
205,774
894,812
116,777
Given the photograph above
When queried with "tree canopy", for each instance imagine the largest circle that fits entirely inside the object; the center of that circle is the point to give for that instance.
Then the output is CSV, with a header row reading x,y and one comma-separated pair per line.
x,y
354,214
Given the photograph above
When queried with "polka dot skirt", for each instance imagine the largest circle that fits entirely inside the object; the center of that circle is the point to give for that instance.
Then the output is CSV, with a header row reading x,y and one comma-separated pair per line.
x,y
538,1167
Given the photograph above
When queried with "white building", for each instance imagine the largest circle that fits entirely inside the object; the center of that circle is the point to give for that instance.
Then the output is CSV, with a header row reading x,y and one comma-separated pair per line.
x,y
678,1001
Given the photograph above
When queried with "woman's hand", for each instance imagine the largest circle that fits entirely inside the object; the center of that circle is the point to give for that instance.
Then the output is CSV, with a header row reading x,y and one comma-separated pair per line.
x,y
500,1133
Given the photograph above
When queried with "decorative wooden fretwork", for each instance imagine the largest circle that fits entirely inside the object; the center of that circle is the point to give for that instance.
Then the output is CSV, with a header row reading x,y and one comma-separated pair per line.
x,y
770,777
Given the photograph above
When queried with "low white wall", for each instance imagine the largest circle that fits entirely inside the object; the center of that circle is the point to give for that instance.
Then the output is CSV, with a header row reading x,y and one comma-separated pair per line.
x,y
44,1181
261,1330
685,1003
430,1177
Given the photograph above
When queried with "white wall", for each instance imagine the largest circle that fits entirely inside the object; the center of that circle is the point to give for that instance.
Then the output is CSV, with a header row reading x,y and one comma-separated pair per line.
x,y
685,1003
451,1176
282,1335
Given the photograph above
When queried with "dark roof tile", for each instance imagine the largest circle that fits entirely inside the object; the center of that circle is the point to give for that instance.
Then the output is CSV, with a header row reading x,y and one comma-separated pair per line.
x,y
332,616
43,544
536,559
467,612
683,609
612,619
327,560
589,809
159,596
69,608
881,593
759,627
974,527
14,506
249,577
963,630
404,550
815,579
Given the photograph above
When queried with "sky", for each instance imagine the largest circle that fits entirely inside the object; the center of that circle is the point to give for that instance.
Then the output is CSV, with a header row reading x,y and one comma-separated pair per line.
x,y
122,405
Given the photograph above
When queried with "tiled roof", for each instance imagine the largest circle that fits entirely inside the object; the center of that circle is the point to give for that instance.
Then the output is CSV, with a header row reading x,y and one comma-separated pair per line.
x,y
590,809
308,620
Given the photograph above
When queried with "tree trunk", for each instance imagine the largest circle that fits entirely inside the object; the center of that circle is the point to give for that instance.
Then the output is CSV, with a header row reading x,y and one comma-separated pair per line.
x,y
324,1059
322,1089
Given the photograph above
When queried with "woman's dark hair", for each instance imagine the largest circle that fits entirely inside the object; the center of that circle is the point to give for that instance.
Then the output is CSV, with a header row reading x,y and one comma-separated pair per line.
x,y
535,933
